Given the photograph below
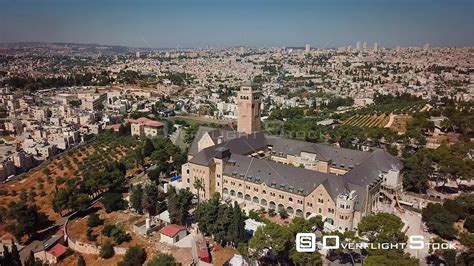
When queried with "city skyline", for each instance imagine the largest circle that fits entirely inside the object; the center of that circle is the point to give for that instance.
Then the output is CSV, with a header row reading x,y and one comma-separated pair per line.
x,y
186,24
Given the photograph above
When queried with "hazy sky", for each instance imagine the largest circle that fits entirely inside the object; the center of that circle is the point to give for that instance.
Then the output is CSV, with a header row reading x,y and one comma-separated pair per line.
x,y
217,23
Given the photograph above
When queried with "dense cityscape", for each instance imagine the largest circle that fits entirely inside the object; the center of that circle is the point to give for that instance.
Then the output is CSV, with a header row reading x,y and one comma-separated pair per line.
x,y
118,155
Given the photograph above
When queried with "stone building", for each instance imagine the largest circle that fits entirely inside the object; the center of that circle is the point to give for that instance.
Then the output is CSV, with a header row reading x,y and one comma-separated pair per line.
x,y
303,178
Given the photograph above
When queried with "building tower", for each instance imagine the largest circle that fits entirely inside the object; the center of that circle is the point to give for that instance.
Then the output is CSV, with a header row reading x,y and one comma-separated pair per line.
x,y
248,102
307,48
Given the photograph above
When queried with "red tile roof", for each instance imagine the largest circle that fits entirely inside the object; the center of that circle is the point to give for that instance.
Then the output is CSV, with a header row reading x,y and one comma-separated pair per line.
x,y
58,250
172,229
147,122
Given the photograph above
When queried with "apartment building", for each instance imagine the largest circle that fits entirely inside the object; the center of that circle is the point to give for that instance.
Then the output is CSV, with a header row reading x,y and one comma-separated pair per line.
x,y
146,127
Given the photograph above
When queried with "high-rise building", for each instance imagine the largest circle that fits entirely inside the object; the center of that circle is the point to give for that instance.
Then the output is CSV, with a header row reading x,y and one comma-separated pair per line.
x,y
426,46
376,47
364,45
137,54
307,48
248,102
358,45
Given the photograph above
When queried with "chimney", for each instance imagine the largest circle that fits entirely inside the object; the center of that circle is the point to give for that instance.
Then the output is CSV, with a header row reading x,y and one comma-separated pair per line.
x,y
147,223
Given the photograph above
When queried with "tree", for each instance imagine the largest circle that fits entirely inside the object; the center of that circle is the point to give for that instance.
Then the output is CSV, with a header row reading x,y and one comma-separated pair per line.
x,y
283,214
138,157
107,250
90,235
469,223
117,233
162,260
277,237
113,202
81,261
305,258
16,261
391,259
198,185
382,228
148,147
179,204
7,256
155,174
454,162
419,169
93,220
439,220
467,240
26,219
151,199
237,226
135,256
136,197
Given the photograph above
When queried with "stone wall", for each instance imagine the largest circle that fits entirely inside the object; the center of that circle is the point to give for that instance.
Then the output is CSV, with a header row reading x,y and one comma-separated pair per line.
x,y
86,248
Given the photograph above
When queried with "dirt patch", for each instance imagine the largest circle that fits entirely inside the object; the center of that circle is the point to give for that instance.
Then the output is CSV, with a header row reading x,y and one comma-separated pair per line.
x,y
71,260
124,219
221,255
399,123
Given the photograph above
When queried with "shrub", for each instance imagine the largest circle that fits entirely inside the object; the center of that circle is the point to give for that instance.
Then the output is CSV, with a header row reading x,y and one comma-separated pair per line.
x,y
120,236
162,259
90,235
108,229
107,250
94,220
469,223
113,202
271,213
60,181
283,214
134,256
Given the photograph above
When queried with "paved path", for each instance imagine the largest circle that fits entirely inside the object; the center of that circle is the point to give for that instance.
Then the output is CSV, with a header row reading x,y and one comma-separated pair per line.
x,y
390,121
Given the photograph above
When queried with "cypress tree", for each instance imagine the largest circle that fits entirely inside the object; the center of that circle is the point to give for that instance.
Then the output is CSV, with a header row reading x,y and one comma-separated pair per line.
x,y
237,227
15,255
81,261
7,256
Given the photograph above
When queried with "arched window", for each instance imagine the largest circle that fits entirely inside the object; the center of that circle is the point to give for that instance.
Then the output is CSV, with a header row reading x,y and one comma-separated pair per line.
x,y
299,213
290,210
271,205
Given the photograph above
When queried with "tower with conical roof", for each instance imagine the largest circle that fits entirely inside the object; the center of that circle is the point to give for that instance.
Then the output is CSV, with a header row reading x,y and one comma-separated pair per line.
x,y
249,99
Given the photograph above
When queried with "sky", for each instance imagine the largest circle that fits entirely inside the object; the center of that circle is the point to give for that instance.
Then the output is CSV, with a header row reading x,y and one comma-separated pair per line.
x,y
225,23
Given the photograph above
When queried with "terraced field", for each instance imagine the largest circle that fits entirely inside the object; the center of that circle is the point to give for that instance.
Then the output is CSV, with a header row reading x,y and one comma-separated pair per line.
x,y
367,120
379,115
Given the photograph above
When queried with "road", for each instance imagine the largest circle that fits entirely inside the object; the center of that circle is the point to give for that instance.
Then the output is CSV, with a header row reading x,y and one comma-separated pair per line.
x,y
205,119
